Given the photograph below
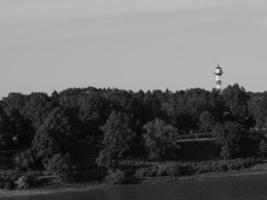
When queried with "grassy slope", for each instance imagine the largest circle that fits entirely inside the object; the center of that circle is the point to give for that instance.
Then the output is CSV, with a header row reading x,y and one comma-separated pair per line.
x,y
258,169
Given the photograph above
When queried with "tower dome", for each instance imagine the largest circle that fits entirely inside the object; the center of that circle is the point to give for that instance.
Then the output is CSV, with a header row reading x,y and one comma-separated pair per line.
x,y
218,72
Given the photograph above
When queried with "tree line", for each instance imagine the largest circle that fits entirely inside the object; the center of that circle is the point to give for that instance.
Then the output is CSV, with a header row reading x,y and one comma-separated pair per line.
x,y
93,128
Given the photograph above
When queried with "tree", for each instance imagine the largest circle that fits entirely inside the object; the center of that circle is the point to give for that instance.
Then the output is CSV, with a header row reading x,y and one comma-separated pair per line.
x,y
53,137
262,149
228,136
62,166
15,101
20,127
236,99
258,107
93,113
217,105
25,161
6,136
44,145
206,121
117,140
37,108
160,139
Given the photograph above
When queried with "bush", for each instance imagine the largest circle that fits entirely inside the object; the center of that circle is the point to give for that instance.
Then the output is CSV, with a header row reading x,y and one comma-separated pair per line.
x,y
116,177
142,172
25,161
61,165
210,166
161,172
12,179
9,185
23,182
182,169
150,172
28,180
8,178
173,170
262,149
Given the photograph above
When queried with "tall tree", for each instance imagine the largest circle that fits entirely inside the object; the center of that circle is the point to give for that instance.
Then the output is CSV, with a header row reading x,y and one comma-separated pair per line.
x,y
228,136
161,140
207,121
117,140
54,136
258,108
37,108
236,100
6,136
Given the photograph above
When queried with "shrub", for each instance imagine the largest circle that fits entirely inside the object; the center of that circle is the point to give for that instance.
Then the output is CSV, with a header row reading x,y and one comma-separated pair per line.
x,y
161,172
173,170
8,179
61,165
142,172
9,185
23,182
182,169
262,149
25,160
12,179
153,171
116,177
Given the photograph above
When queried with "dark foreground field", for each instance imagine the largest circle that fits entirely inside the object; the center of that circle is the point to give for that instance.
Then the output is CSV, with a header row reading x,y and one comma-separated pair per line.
x,y
256,170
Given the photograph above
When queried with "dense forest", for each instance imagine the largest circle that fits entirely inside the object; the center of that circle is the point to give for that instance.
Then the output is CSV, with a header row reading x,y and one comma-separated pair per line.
x,y
85,134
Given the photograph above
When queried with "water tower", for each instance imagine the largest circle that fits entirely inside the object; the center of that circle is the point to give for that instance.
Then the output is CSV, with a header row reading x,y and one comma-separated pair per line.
x,y
218,71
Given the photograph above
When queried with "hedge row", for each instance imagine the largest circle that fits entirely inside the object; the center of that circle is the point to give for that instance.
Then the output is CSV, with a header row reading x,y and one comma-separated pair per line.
x,y
182,169
13,179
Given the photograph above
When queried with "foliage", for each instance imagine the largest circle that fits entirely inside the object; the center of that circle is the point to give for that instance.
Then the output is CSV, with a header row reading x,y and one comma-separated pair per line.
x,y
23,182
61,165
25,161
52,137
6,136
258,108
40,126
37,108
44,145
262,149
182,169
228,136
8,178
116,177
206,121
14,179
117,140
161,139
236,99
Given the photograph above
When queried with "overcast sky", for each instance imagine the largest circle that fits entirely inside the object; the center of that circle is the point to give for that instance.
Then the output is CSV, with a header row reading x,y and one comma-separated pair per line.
x,y
48,45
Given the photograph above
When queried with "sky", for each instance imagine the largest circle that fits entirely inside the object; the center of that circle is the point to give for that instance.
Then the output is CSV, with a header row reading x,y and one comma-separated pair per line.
x,y
48,45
